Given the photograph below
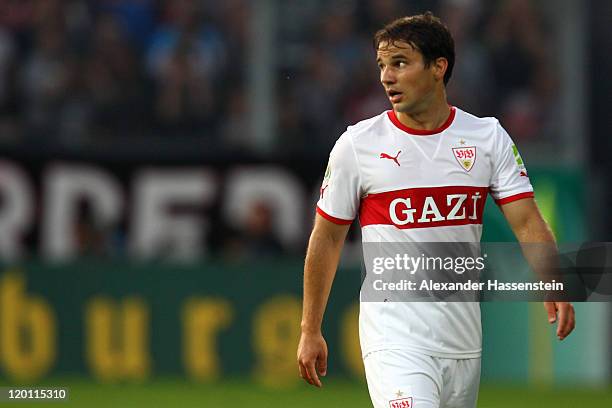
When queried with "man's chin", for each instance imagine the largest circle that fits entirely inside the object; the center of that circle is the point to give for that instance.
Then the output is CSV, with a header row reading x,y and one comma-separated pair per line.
x,y
402,107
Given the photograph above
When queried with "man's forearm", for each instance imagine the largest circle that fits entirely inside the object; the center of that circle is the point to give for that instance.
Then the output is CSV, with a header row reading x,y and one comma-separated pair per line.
x,y
538,246
534,229
319,270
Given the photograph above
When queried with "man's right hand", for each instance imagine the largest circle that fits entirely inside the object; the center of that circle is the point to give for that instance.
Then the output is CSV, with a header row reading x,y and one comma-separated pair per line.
x,y
312,357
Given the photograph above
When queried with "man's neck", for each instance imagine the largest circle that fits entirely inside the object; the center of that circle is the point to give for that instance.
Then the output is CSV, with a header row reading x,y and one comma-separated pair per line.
x,y
428,119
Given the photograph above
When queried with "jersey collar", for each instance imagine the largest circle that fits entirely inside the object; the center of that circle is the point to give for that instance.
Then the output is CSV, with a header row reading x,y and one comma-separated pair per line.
x,y
422,132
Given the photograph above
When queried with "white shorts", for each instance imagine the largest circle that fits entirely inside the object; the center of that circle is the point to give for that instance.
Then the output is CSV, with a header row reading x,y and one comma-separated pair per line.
x,y
407,379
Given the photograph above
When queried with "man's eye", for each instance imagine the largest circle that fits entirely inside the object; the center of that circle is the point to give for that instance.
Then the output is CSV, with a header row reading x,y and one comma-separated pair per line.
x,y
402,64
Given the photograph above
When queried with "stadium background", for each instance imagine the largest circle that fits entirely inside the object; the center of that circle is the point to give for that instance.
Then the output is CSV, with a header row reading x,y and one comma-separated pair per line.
x,y
159,165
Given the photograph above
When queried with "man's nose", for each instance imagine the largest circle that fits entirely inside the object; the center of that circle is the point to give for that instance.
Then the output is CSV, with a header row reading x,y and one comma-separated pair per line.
x,y
387,76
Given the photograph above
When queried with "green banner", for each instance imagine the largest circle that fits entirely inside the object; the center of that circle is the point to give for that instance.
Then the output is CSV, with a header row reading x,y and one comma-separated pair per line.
x,y
119,320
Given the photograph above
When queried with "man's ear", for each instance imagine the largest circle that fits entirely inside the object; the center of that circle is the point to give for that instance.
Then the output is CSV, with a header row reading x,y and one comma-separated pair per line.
x,y
440,65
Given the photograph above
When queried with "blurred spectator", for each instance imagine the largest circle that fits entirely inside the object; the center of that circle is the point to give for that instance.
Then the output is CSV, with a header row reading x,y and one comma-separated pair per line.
x,y
257,240
136,18
471,83
7,54
235,128
185,101
235,19
8,103
186,59
522,77
114,81
368,99
376,13
16,15
318,94
91,238
292,124
44,80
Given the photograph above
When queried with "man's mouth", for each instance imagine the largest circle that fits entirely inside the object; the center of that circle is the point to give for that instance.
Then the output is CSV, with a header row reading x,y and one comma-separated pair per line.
x,y
394,96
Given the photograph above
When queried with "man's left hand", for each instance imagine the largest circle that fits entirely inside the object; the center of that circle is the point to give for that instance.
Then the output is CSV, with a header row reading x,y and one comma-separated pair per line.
x,y
563,314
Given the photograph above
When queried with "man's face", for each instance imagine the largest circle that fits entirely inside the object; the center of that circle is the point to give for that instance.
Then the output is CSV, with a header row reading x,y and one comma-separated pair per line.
x,y
409,85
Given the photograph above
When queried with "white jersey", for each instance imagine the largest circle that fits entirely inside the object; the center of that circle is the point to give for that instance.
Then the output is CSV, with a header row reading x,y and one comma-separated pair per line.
x,y
409,185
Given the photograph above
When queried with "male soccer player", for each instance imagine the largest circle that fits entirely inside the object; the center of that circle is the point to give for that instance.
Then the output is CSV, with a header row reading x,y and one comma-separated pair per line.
x,y
403,172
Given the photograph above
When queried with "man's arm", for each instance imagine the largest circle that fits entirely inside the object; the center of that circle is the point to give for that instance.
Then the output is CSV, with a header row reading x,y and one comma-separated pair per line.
x,y
529,227
322,258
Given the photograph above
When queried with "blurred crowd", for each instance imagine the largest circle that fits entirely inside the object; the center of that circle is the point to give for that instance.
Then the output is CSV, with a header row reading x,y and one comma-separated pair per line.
x,y
504,64
81,73
75,72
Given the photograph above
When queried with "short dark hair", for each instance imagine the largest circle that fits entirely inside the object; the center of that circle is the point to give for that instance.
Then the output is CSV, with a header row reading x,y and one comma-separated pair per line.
x,y
426,33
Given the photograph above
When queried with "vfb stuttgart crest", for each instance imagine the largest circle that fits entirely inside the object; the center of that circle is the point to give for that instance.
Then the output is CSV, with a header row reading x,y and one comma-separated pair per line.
x,y
466,156
401,403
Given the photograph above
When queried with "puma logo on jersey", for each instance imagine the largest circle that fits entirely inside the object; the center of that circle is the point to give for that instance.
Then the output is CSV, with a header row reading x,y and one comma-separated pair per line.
x,y
386,156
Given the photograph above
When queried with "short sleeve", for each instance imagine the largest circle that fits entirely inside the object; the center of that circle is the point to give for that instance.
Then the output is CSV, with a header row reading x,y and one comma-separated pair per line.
x,y
340,190
510,181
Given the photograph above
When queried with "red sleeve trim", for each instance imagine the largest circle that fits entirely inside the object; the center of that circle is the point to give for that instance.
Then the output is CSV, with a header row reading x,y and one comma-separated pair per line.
x,y
335,220
515,197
